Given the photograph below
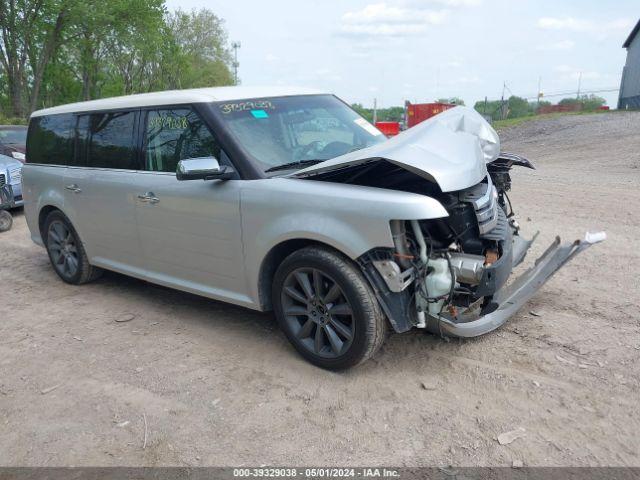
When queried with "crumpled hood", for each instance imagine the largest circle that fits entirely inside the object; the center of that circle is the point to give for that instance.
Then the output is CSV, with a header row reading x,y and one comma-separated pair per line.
x,y
451,148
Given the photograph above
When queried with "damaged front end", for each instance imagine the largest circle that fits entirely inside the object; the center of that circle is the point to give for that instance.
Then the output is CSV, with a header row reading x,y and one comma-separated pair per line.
x,y
450,274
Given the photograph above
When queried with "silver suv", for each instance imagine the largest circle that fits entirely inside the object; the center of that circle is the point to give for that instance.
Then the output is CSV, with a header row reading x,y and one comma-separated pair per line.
x,y
287,200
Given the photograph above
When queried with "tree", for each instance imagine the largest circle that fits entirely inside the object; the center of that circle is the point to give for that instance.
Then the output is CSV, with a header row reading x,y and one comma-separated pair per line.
x,y
367,113
201,40
31,33
491,108
60,51
586,102
518,107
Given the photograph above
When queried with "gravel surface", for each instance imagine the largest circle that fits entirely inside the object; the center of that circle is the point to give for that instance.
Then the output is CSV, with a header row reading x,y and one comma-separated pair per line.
x,y
81,368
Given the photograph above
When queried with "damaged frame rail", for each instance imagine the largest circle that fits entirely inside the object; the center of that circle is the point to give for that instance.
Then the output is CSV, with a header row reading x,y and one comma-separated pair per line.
x,y
512,297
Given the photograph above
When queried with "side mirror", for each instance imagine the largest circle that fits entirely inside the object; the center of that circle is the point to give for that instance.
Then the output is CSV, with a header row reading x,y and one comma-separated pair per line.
x,y
204,168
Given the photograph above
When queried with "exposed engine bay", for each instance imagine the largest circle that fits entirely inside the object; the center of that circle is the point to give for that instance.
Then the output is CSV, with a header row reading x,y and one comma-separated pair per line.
x,y
459,262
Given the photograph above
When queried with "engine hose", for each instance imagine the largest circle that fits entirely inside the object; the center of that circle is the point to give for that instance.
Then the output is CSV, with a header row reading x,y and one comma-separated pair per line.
x,y
399,235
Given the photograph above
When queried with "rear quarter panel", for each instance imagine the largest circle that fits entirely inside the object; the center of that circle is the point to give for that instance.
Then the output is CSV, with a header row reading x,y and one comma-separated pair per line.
x,y
42,185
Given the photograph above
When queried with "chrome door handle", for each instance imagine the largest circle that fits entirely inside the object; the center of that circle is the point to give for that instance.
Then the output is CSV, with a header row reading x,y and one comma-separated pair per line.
x,y
148,197
73,187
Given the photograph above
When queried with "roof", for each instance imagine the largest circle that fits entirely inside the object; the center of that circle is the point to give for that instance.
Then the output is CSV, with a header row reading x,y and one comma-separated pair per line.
x,y
632,35
177,97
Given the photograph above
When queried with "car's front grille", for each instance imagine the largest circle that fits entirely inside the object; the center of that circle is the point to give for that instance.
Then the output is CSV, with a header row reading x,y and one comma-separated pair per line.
x,y
484,199
15,175
3,179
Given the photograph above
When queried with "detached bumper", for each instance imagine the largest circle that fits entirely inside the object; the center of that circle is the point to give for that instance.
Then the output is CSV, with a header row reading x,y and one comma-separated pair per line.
x,y
508,300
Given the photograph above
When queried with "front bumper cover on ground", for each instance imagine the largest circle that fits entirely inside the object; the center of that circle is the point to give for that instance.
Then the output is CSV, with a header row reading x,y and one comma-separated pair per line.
x,y
507,301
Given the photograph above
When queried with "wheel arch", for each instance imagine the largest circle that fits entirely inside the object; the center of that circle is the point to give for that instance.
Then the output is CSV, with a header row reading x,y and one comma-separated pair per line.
x,y
274,258
42,216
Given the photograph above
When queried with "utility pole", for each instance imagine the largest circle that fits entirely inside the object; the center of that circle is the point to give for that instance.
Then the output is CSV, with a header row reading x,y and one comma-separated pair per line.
x,y
539,93
579,82
235,46
503,113
375,110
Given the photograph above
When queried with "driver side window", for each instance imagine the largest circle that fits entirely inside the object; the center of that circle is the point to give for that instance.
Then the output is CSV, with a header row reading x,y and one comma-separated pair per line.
x,y
314,130
318,126
175,134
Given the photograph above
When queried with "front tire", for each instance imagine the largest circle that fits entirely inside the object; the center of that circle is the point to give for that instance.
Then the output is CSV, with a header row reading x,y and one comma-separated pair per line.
x,y
66,252
327,309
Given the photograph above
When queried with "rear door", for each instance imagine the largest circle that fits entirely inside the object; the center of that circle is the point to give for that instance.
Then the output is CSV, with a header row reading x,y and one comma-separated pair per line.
x,y
190,231
101,189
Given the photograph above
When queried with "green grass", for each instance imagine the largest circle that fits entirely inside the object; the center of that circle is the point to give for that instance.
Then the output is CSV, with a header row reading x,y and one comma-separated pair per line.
x,y
512,122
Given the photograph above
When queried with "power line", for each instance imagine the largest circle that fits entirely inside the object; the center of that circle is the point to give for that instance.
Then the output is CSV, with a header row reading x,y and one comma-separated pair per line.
x,y
567,93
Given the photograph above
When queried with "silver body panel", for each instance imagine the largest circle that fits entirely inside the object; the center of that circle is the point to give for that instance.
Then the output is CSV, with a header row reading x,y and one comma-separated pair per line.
x,y
211,238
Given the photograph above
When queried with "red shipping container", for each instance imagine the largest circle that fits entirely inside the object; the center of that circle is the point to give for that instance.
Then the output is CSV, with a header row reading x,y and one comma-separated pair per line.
x,y
419,112
390,129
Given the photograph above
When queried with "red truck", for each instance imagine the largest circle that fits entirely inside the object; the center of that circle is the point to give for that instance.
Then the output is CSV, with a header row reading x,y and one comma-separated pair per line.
x,y
419,112
390,129
414,114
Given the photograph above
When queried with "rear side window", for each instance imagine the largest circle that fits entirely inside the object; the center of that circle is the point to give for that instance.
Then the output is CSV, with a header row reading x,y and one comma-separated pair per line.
x,y
50,139
176,134
108,140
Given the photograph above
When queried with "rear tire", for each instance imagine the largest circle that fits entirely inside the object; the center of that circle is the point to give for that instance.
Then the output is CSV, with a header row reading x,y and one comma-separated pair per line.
x,y
327,309
66,252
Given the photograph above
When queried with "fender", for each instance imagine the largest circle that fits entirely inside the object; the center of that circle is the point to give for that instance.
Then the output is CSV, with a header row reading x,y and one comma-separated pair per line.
x,y
352,219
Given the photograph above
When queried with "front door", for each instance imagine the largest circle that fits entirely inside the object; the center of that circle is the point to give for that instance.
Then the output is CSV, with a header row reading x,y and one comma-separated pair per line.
x,y
190,231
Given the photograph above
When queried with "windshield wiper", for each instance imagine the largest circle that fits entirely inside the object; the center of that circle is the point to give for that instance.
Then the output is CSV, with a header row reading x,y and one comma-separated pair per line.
x,y
292,165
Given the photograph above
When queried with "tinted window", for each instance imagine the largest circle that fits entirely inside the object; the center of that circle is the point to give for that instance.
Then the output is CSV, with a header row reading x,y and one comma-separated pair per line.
x,y
176,134
50,139
111,143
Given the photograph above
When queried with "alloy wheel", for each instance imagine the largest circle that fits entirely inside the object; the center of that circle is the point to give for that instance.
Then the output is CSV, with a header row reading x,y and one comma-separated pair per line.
x,y
62,246
318,313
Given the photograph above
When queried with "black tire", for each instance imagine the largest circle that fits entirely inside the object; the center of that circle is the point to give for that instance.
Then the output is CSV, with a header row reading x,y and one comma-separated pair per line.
x,y
65,250
6,221
351,323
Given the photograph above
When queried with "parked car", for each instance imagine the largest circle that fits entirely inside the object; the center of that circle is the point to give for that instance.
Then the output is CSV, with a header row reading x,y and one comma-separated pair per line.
x,y
10,189
13,141
234,193
11,180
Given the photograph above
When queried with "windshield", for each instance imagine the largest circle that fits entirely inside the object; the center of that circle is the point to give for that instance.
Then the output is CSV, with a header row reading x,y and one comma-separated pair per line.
x,y
13,136
291,132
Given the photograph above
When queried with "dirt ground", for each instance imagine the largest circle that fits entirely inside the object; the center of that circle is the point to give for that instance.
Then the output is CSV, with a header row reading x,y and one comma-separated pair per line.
x,y
220,385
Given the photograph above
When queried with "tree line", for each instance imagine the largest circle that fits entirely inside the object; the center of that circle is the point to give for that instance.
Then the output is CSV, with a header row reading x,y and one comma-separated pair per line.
x,y
512,107
517,107
60,51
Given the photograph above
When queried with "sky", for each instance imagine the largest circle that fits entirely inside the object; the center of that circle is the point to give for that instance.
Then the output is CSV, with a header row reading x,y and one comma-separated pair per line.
x,y
421,50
